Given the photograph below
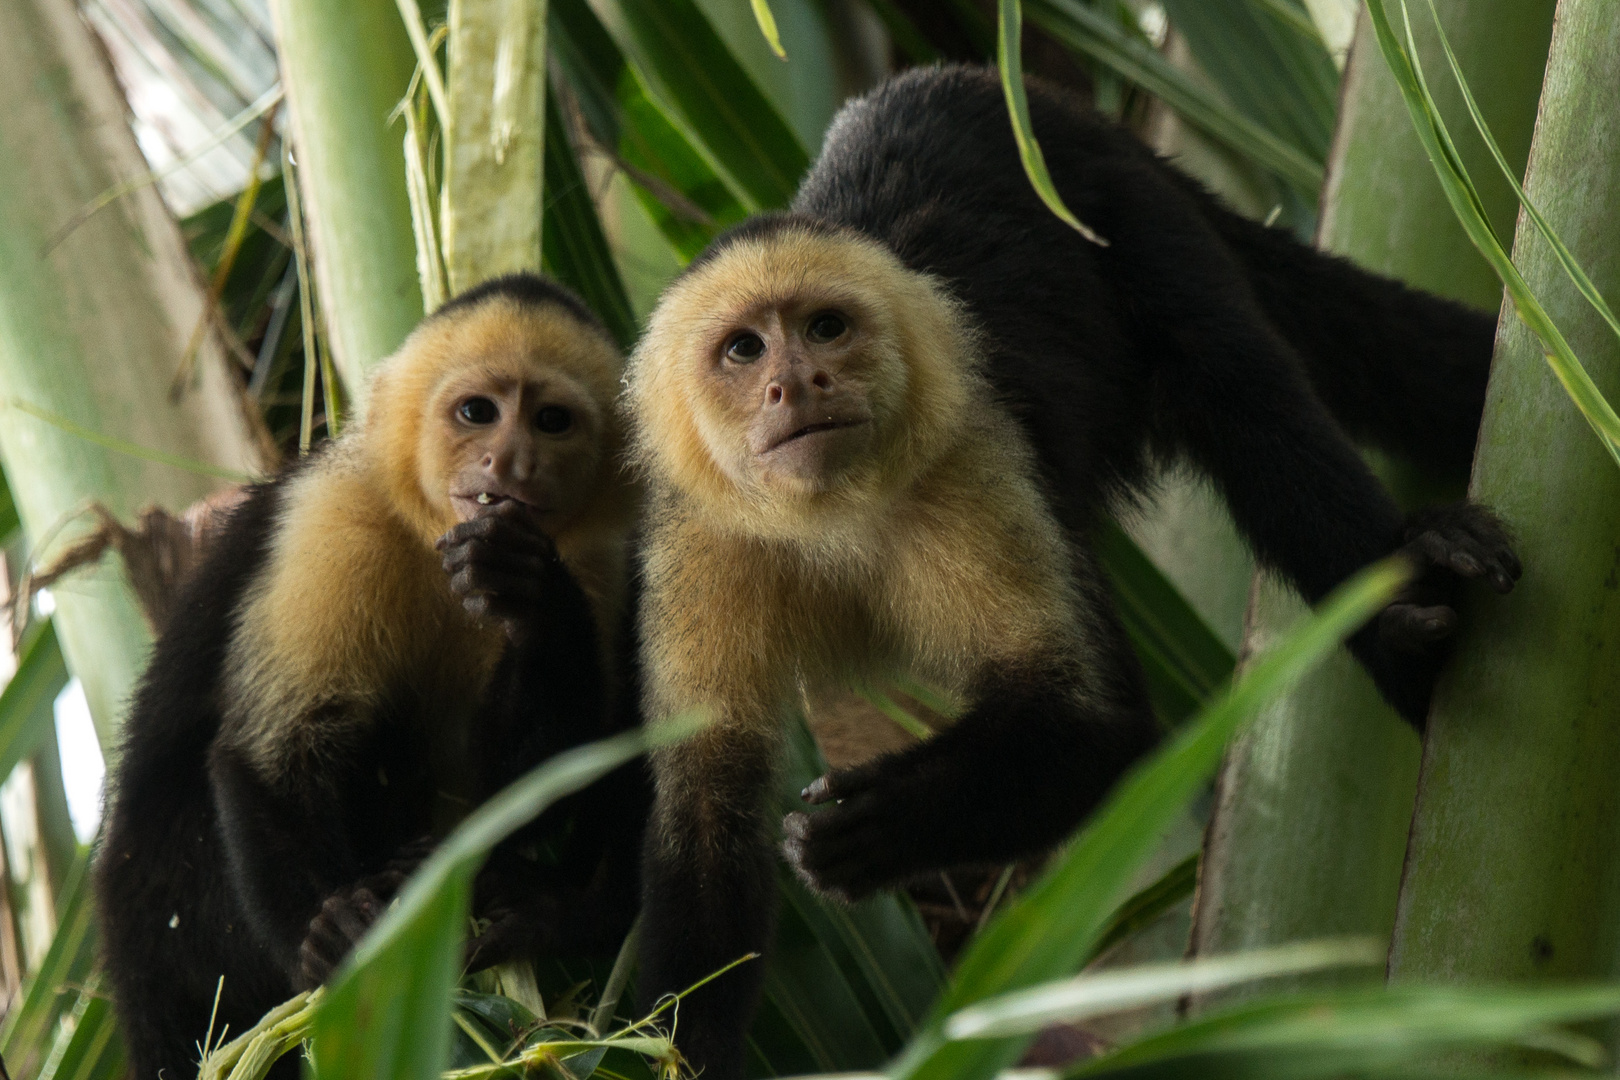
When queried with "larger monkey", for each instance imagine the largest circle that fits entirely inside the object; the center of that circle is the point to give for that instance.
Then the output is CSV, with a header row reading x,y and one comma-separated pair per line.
x,y
383,636
853,417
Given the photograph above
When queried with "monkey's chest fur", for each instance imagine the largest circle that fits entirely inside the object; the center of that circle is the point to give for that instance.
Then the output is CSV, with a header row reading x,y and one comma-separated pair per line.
x,y
348,641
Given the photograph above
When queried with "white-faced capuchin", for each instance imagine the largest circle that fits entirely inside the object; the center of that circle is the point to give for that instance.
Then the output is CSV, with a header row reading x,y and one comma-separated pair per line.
x,y
382,636
878,430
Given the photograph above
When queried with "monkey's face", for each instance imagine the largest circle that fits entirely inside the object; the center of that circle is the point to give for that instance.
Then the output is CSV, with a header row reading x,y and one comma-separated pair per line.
x,y
500,403
794,375
505,437
793,385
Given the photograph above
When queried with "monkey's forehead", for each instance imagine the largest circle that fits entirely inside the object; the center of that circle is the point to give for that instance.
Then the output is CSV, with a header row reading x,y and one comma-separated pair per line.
x,y
784,268
507,339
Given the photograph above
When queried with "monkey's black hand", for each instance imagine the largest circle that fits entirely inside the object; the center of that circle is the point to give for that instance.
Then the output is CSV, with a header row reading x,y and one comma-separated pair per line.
x,y
347,914
1405,646
500,564
1449,545
343,920
859,845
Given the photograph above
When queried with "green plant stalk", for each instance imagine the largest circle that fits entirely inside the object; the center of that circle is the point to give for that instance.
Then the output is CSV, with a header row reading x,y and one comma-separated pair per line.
x,y
346,66
1514,826
1315,799
495,145
91,333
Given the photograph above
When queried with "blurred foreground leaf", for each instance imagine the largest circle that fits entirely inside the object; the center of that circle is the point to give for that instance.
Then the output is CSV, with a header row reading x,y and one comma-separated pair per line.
x,y
387,1013
1054,926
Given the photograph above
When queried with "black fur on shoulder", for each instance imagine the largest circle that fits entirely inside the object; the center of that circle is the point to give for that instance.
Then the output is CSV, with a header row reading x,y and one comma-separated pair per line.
x,y
526,288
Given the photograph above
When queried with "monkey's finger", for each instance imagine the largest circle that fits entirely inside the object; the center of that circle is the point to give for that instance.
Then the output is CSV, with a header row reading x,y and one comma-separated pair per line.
x,y
492,560
1413,628
840,784
345,915
313,968
326,941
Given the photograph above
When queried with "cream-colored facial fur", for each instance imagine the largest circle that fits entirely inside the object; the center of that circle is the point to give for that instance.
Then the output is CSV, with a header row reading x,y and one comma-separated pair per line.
x,y
918,371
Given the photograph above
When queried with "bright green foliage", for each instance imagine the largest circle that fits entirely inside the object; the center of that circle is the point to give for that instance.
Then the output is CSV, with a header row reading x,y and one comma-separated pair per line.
x,y
1470,211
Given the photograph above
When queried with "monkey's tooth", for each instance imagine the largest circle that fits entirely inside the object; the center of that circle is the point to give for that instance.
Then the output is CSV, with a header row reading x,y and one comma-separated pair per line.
x,y
483,498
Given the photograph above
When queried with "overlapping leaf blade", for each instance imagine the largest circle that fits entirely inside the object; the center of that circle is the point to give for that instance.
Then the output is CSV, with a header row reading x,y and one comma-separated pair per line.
x,y
1056,923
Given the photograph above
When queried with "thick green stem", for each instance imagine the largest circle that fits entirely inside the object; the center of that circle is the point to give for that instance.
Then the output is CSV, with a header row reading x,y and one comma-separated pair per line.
x,y
494,163
93,331
346,64
1513,852
1314,802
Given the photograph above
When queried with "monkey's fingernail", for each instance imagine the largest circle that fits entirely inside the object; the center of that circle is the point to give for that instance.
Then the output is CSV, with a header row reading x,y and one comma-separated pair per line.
x,y
818,791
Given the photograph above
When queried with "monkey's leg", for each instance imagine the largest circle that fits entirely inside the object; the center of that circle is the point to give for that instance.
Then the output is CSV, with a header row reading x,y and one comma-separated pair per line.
x,y
1008,780
709,891
288,849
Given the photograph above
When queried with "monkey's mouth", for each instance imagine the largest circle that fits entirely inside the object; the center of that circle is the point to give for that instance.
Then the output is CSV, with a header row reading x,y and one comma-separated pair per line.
x,y
478,503
816,429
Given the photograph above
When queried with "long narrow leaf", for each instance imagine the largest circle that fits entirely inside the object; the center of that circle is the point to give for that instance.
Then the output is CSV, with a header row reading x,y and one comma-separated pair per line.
x,y
767,27
676,184
573,248
1009,39
91,1048
1142,909
1184,661
67,962
1465,202
1054,926
416,29
1027,1011
1566,258
26,703
1346,1032
1281,79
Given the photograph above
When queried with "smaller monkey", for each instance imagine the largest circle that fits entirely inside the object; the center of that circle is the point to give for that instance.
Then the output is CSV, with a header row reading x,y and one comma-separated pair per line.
x,y
381,637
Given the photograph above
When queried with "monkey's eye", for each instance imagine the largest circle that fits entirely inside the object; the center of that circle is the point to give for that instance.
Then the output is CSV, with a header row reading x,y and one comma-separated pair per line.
x,y
825,327
746,348
554,419
479,410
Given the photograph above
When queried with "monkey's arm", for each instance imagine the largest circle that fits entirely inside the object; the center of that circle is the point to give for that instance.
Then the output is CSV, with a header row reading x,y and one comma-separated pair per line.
x,y
1232,394
1036,753
708,880
548,694
290,854
709,890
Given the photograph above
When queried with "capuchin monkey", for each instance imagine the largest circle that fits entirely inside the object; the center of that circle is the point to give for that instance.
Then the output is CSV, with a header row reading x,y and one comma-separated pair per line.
x,y
384,635
877,431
